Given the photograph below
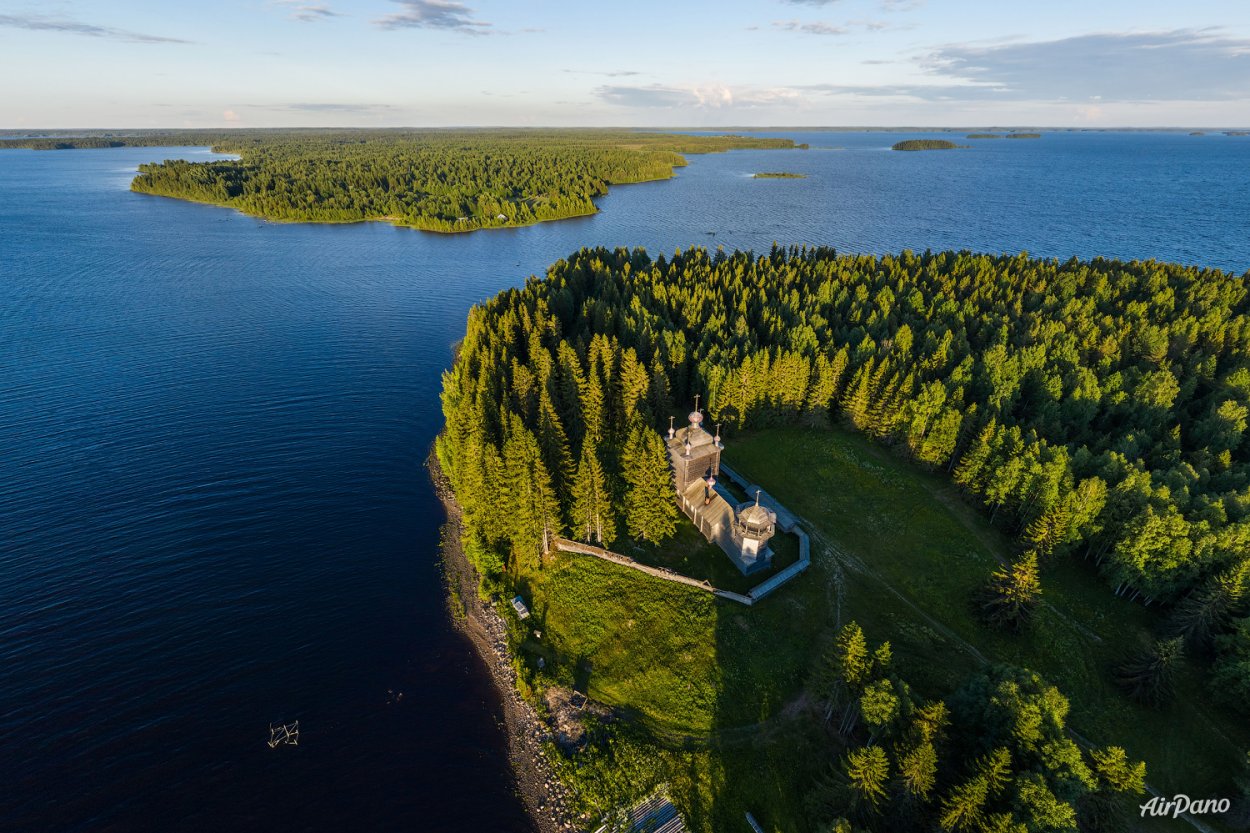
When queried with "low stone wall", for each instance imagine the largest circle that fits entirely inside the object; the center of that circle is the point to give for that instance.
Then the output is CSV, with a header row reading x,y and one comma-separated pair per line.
x,y
734,597
565,545
762,589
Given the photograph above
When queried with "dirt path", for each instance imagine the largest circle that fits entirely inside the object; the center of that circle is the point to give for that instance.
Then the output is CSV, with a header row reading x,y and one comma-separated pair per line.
x,y
850,562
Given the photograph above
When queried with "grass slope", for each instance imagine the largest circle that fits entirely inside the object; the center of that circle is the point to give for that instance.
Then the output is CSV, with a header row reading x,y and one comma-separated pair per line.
x,y
915,551
714,691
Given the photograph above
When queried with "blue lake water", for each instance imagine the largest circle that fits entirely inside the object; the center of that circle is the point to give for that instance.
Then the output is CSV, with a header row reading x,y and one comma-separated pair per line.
x,y
213,512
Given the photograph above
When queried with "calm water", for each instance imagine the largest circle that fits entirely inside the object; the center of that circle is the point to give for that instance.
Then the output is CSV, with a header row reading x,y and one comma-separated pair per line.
x,y
213,512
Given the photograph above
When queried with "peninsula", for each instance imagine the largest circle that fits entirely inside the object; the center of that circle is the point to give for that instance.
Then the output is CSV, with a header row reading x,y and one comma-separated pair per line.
x,y
820,705
433,180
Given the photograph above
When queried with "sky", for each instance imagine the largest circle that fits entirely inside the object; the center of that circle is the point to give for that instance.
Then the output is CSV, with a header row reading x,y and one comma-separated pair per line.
x,y
434,63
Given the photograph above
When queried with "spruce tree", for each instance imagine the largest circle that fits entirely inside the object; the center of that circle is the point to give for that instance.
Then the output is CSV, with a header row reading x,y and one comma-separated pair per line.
x,y
857,401
1013,594
963,808
972,465
939,444
1003,823
594,408
821,393
879,706
555,447
1104,809
1049,529
851,655
995,768
593,519
1150,676
568,381
1206,611
650,506
918,771
528,503
634,382
867,771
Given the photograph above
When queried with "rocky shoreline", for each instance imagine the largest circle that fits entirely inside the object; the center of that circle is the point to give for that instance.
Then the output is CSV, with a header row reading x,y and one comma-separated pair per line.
x,y
546,800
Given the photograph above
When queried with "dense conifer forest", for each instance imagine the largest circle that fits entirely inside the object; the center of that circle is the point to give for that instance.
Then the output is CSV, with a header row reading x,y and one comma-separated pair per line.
x,y
1095,410
925,144
434,180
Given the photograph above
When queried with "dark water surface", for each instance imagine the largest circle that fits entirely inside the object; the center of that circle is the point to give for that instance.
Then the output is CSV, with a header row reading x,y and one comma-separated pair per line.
x,y
213,512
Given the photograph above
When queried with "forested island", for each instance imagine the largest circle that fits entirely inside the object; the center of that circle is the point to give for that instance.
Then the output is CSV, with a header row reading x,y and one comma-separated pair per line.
x,y
925,144
778,175
1034,470
1024,135
435,180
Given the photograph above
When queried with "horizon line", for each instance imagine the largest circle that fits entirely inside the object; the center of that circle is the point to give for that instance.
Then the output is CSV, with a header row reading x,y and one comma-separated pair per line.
x,y
745,127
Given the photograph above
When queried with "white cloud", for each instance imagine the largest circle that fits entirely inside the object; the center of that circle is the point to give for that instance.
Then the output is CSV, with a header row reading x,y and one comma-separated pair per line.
x,y
707,96
1176,65
435,14
308,12
41,23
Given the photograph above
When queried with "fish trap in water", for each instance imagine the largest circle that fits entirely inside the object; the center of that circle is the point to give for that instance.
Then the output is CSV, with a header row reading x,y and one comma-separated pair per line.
x,y
286,733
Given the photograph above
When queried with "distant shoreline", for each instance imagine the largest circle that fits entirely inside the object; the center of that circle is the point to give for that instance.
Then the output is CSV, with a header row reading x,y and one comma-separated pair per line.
x,y
429,181
395,222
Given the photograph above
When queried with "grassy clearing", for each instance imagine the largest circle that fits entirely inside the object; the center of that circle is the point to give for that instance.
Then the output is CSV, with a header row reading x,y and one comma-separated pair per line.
x,y
916,551
717,689
629,640
715,686
681,661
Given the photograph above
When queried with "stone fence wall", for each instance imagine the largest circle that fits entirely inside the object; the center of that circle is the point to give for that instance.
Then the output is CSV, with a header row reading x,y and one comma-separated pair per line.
x,y
565,545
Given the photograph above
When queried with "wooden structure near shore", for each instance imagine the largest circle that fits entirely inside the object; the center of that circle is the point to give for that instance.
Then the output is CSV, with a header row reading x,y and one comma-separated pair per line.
x,y
655,815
